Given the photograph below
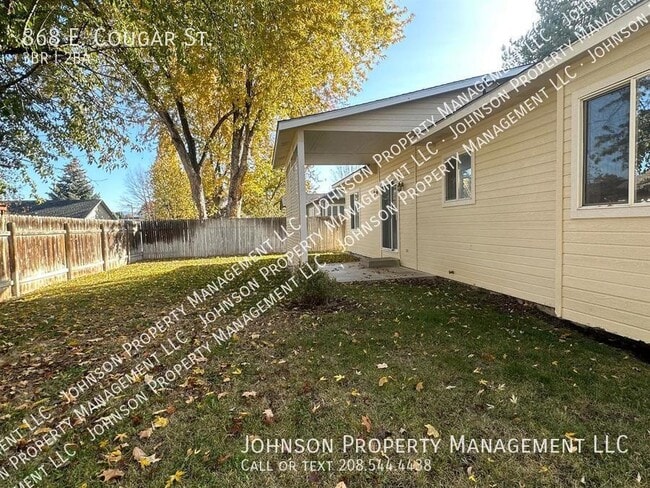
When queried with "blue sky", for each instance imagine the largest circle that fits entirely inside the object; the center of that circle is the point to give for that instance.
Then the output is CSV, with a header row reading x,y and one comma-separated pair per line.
x,y
447,40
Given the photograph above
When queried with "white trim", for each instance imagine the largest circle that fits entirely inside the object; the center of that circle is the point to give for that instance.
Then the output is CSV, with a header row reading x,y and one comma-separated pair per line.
x,y
630,209
559,203
459,202
302,192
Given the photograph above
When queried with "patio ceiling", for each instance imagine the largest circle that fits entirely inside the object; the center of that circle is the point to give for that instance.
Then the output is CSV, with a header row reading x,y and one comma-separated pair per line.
x,y
339,147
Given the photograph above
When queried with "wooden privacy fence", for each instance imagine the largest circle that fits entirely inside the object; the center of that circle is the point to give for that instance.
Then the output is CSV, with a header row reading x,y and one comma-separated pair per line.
x,y
37,251
173,239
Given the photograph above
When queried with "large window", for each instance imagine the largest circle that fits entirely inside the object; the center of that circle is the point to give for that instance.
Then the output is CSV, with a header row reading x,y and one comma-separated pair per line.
x,y
354,211
616,158
459,179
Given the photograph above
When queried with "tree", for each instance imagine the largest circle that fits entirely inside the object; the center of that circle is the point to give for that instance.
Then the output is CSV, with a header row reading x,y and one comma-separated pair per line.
x,y
339,172
217,98
172,197
54,103
139,193
558,24
73,184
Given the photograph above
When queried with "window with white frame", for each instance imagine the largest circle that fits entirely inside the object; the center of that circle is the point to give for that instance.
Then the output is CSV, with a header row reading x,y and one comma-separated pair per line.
x,y
331,210
459,179
616,146
354,211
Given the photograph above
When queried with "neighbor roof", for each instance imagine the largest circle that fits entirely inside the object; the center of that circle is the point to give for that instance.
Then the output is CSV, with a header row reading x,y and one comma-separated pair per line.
x,y
76,209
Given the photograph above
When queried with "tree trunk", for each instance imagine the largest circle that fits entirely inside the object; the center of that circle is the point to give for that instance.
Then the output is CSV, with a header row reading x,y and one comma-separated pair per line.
x,y
241,142
190,165
198,195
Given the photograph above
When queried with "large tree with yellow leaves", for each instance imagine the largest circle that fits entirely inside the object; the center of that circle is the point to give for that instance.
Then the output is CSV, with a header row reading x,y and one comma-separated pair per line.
x,y
244,65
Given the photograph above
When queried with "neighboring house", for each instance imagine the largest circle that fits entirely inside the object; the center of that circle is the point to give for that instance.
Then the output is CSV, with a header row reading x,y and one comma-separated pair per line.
x,y
546,206
329,204
75,209
321,204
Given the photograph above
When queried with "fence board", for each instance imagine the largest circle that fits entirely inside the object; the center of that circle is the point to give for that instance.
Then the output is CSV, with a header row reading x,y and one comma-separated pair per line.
x,y
48,250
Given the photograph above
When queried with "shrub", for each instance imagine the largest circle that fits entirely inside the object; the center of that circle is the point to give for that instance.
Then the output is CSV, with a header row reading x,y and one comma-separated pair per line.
x,y
315,291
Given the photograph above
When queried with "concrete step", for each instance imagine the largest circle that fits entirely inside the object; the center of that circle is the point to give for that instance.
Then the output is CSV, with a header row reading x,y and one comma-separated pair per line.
x,y
379,262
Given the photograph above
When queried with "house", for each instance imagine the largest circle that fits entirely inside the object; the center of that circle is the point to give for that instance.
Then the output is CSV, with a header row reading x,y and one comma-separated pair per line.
x,y
531,182
321,204
331,204
75,209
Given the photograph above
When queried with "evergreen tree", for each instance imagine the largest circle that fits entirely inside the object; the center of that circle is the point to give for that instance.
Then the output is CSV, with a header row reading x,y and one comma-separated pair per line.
x,y
560,22
73,184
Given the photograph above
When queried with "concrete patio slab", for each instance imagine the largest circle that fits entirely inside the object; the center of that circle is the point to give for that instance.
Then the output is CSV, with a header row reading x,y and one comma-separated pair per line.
x,y
353,272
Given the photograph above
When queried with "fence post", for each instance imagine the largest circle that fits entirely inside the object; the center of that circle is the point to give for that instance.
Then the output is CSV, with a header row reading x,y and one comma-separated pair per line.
x,y
13,259
67,247
127,236
102,227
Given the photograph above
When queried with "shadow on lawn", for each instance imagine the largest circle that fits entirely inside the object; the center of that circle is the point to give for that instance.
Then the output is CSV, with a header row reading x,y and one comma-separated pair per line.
x,y
124,298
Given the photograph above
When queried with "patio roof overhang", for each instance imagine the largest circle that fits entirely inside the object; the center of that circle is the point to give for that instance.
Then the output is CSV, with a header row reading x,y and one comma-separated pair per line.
x,y
331,147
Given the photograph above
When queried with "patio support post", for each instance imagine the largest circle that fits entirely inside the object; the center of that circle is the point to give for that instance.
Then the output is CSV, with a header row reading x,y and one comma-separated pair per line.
x,y
302,195
296,198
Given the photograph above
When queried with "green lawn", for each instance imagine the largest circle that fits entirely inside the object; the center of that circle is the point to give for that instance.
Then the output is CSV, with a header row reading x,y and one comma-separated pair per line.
x,y
457,361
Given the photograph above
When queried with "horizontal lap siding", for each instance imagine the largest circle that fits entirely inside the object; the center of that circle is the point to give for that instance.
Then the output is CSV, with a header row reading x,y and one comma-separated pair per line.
x,y
399,118
368,244
606,265
506,241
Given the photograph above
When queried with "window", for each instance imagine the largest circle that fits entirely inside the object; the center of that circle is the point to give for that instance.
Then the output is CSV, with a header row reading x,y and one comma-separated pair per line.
x,y
330,210
616,146
389,217
354,211
459,184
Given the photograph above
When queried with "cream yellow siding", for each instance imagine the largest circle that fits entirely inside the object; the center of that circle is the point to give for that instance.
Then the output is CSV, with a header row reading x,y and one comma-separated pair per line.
x,y
366,240
523,234
398,118
606,261
505,241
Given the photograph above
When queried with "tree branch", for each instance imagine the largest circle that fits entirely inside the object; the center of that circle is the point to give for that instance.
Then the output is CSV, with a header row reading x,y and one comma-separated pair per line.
x,y
187,133
213,133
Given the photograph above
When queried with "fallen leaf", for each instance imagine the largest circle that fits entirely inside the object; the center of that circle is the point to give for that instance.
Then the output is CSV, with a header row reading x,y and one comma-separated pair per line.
x,y
146,433
111,474
365,421
383,380
160,422
175,478
223,459
419,386
138,454
249,394
341,484
114,456
339,377
382,366
120,437
432,431
268,416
